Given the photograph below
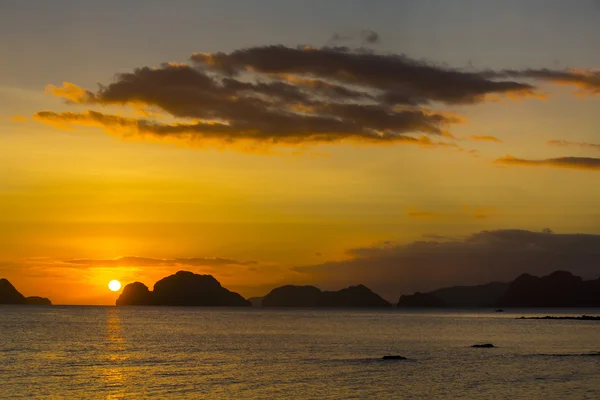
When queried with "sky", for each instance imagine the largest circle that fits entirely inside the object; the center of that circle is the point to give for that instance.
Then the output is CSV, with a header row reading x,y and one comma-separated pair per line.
x,y
404,145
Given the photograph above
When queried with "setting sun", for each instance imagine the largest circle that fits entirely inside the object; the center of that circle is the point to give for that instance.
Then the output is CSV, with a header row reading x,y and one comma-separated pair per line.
x,y
114,285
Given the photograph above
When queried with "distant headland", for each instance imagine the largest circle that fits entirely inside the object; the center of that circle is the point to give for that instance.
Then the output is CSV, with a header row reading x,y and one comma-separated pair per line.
x,y
10,295
559,289
358,296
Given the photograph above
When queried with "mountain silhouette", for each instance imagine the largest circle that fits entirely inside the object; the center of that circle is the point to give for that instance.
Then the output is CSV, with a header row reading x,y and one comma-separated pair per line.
x,y
10,295
312,297
181,289
559,289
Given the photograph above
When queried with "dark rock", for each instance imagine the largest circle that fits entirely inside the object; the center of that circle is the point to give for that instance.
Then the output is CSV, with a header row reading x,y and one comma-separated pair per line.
x,y
8,293
135,294
181,289
189,289
393,358
311,297
38,301
255,301
483,346
421,300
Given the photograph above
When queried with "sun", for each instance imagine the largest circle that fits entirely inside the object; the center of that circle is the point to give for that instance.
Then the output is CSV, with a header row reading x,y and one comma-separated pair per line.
x,y
114,285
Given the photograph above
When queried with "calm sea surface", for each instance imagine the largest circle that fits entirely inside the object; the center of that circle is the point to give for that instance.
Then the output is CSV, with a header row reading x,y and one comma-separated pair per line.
x,y
223,353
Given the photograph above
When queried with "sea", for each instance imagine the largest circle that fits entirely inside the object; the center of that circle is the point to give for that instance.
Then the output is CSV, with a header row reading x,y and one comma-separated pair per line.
x,y
80,352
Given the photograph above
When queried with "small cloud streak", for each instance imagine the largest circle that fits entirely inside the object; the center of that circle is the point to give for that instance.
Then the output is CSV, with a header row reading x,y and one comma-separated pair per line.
x,y
485,138
370,36
583,163
18,118
566,143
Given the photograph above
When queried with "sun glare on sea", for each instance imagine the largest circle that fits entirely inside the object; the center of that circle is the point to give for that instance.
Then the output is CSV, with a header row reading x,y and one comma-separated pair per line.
x,y
114,285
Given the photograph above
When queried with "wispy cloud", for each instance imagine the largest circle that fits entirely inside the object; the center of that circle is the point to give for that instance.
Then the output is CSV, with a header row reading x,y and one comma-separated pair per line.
x,y
584,163
566,143
485,138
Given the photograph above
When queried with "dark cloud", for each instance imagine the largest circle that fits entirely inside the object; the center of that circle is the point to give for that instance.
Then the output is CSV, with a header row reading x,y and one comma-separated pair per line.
x,y
156,262
369,36
501,255
586,163
296,95
398,78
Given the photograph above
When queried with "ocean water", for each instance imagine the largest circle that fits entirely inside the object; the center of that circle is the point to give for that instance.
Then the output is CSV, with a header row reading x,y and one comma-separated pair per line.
x,y
224,353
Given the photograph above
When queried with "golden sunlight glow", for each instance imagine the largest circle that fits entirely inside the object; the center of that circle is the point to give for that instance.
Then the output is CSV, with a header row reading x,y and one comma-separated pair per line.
x,y
114,285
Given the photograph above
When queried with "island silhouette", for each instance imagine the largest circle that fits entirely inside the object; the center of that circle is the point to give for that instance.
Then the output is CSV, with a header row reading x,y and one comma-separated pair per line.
x,y
559,289
313,297
10,295
181,289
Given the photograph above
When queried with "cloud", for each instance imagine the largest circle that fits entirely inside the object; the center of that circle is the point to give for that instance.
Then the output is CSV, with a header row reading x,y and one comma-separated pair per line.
x,y
586,163
397,78
292,96
486,138
566,143
588,81
464,211
19,118
482,257
134,261
287,130
369,36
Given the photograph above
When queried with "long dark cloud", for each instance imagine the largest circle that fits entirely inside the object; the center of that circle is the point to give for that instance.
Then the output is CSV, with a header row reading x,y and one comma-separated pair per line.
x,y
586,163
297,95
400,79
500,255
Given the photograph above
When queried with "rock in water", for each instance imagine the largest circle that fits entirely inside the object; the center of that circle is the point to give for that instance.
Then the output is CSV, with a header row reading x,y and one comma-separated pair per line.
x,y
483,346
189,289
393,358
135,294
8,293
38,301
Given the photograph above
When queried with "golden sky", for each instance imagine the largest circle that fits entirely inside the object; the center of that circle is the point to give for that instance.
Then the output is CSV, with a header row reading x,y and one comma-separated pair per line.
x,y
366,156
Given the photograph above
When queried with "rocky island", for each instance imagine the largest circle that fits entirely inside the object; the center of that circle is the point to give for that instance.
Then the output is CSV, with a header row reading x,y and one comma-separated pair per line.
x,y
181,289
312,297
559,289
10,295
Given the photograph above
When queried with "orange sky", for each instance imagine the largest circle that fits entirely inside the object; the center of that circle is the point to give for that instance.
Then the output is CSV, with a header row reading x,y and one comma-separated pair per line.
x,y
265,165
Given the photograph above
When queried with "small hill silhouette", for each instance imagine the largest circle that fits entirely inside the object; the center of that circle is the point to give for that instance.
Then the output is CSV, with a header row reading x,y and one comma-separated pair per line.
x,y
311,297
